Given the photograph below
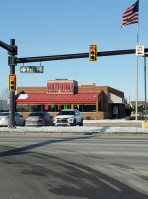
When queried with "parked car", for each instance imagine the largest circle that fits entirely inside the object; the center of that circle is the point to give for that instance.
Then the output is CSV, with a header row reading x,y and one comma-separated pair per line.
x,y
69,117
4,119
134,114
39,119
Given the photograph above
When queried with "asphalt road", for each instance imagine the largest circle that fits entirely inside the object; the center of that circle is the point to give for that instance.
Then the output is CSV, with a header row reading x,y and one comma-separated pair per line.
x,y
73,167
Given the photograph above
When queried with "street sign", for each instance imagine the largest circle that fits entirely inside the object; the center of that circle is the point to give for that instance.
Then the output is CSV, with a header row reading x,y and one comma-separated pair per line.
x,y
140,50
31,69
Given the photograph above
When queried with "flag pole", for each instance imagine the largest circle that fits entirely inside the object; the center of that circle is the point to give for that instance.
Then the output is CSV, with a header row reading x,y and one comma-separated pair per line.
x,y
137,72
130,16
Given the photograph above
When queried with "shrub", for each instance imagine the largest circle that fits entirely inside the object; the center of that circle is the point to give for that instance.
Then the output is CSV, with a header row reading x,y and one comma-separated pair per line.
x,y
88,118
134,117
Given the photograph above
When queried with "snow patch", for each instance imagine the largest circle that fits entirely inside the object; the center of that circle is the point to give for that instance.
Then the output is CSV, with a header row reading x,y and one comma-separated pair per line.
x,y
23,96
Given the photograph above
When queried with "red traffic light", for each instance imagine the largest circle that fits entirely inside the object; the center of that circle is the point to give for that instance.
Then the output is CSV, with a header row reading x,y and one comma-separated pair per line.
x,y
92,48
12,78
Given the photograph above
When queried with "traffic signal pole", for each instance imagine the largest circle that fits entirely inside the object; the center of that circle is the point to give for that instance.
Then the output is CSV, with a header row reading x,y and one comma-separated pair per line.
x,y
12,51
11,61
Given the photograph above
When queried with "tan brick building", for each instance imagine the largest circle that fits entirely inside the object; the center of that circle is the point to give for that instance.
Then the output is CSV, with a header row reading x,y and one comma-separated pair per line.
x,y
94,102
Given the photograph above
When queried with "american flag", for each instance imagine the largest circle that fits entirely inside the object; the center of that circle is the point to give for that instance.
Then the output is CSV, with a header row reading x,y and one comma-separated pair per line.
x,y
131,15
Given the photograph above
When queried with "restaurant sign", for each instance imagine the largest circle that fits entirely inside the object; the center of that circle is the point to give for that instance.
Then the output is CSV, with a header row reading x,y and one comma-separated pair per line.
x,y
60,87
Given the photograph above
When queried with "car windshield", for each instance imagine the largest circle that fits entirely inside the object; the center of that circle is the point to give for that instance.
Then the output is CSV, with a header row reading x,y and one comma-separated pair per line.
x,y
4,114
36,114
66,113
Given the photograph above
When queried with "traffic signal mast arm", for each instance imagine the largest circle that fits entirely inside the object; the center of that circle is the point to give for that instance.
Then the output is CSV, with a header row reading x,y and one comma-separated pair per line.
x,y
11,49
74,56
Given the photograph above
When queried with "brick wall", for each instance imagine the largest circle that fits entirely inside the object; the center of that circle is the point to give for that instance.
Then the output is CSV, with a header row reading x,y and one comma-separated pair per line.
x,y
32,89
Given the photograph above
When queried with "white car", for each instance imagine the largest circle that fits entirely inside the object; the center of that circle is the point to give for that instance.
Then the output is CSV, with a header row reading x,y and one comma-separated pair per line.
x,y
68,117
4,119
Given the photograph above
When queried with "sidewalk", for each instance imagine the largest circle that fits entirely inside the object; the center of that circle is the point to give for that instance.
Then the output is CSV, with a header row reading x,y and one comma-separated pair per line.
x,y
91,127
114,123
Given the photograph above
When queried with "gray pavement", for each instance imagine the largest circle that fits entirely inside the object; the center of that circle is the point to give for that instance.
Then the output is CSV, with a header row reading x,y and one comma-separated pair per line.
x,y
73,167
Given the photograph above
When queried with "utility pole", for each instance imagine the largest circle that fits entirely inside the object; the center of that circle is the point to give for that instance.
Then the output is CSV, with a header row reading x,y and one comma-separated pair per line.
x,y
146,55
145,85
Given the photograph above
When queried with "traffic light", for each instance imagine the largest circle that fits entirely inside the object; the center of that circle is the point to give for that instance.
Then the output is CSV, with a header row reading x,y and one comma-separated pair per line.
x,y
12,82
92,52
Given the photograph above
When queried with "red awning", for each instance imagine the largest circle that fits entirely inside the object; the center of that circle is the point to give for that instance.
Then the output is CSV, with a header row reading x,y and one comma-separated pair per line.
x,y
39,98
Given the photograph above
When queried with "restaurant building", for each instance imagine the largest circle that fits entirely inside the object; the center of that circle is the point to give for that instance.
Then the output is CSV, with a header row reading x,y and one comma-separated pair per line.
x,y
94,102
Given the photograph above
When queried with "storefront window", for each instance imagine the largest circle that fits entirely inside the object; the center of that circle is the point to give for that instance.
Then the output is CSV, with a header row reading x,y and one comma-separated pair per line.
x,y
34,108
89,108
54,107
22,108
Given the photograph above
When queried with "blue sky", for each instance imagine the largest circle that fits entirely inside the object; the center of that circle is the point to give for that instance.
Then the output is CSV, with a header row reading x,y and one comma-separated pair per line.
x,y
45,27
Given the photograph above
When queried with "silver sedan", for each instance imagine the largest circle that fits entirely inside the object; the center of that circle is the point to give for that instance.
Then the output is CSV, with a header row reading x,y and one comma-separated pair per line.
x,y
39,119
4,119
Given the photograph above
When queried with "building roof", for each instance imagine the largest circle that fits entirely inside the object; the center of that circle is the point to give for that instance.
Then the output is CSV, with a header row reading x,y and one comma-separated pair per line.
x,y
37,98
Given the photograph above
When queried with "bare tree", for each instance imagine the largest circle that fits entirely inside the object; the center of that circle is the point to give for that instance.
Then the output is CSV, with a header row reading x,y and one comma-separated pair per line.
x,y
4,94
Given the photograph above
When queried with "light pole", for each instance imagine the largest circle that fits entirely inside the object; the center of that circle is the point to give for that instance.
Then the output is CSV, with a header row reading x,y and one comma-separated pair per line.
x,y
146,55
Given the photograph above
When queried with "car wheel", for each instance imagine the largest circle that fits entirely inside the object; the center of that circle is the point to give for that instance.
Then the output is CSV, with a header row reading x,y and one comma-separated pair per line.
x,y
81,123
74,123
